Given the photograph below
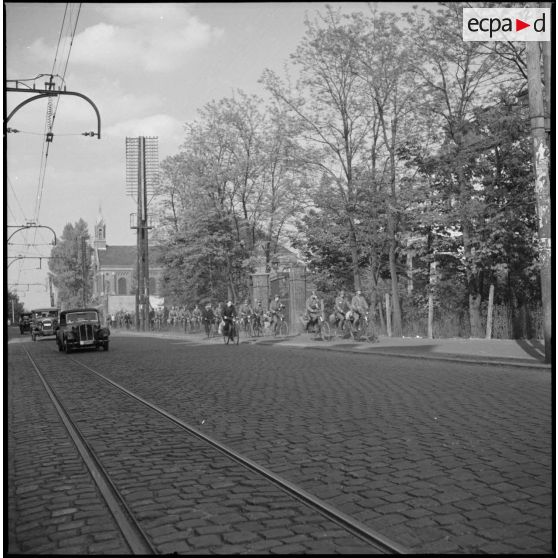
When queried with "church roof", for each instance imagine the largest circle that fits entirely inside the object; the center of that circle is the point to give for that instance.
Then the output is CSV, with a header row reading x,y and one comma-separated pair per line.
x,y
125,256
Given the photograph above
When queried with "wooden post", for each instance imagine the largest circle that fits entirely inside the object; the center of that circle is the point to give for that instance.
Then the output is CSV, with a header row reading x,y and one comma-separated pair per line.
x,y
410,254
431,300
541,158
388,315
490,310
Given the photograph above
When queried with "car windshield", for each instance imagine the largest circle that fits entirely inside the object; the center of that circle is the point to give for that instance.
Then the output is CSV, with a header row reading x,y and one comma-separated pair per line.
x,y
81,317
46,314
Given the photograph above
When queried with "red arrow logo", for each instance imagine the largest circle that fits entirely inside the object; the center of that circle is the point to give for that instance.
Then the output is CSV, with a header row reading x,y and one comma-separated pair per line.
x,y
519,25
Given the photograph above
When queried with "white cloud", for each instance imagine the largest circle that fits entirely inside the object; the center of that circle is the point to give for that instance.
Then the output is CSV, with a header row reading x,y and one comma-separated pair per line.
x,y
134,37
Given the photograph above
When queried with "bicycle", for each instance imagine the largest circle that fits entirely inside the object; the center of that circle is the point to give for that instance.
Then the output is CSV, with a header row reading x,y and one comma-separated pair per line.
x,y
364,331
195,324
232,333
339,332
257,328
211,327
246,322
281,327
321,327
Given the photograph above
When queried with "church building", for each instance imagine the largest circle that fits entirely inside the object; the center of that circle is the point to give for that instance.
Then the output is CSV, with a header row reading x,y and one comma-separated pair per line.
x,y
115,273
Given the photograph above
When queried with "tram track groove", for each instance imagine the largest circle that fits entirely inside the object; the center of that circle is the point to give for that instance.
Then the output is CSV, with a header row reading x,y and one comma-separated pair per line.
x,y
349,524
132,532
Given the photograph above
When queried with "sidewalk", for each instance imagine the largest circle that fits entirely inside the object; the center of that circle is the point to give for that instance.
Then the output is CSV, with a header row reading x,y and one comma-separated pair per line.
x,y
514,352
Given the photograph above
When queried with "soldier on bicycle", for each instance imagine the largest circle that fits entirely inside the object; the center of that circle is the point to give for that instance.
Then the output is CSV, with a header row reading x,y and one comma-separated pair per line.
x,y
246,312
359,307
313,310
341,308
196,316
274,308
258,314
208,318
229,313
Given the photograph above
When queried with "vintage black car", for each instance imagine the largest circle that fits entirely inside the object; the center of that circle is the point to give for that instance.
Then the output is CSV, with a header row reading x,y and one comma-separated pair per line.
x,y
81,329
44,322
25,322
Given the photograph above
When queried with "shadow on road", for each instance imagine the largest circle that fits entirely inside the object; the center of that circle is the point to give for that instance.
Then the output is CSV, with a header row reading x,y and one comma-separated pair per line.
x,y
532,347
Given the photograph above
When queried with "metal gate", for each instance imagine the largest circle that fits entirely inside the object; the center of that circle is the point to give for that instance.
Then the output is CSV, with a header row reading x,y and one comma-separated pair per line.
x,y
279,285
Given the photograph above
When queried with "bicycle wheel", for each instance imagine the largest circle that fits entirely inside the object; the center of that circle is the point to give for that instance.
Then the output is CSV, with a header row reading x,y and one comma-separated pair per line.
x,y
283,329
248,329
236,334
360,332
325,331
257,329
364,334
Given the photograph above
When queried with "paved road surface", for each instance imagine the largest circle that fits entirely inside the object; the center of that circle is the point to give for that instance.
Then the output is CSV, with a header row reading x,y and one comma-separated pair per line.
x,y
438,456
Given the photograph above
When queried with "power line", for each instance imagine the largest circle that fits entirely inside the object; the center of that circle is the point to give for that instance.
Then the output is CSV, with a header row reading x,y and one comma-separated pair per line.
x,y
17,200
51,111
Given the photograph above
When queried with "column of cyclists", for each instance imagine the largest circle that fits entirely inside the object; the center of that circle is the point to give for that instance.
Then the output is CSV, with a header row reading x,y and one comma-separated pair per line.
x,y
348,318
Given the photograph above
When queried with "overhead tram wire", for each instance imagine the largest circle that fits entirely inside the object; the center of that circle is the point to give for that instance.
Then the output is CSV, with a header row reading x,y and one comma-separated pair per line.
x,y
49,123
51,112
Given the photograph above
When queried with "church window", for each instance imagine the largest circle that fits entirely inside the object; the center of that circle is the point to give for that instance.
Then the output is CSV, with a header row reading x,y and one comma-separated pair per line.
x,y
122,290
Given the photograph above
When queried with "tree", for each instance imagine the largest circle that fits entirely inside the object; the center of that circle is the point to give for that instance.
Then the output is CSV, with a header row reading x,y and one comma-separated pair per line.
x,y
456,78
382,52
232,187
327,105
14,308
70,268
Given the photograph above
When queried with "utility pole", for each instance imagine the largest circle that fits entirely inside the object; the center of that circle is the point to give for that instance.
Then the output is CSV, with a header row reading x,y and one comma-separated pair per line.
x,y
51,293
142,174
84,269
541,164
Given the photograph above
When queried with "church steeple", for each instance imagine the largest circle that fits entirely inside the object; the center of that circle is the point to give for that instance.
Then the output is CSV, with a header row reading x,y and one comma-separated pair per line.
x,y
100,242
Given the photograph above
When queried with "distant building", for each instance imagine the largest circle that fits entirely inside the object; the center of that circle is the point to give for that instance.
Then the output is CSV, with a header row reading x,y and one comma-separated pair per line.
x,y
115,270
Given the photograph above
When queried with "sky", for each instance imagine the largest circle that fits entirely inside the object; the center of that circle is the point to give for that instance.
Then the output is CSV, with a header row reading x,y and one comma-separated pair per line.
x,y
147,68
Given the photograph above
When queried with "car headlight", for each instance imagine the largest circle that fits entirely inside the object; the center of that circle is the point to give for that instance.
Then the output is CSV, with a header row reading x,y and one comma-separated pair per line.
x,y
103,333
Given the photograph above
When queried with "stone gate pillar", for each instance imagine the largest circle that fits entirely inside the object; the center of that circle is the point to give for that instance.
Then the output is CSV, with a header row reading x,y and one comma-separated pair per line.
x,y
260,287
297,297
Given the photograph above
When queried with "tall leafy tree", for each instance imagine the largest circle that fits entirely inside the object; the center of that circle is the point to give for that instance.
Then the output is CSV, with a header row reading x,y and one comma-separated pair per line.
x,y
456,77
70,266
330,111
382,52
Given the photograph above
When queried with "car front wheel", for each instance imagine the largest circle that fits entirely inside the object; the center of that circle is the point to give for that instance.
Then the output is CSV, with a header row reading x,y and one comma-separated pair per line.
x,y
67,349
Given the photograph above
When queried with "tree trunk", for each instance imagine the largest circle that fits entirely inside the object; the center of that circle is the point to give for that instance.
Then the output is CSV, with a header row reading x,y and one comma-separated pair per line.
x,y
432,280
354,255
388,315
490,312
475,316
381,313
397,329
472,283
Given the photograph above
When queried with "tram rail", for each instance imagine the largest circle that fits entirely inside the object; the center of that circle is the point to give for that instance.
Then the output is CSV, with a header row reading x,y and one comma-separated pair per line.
x,y
136,537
